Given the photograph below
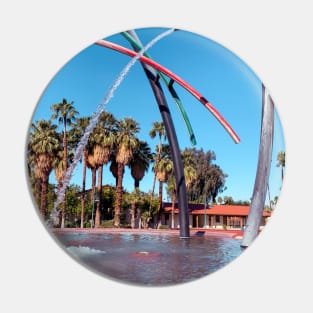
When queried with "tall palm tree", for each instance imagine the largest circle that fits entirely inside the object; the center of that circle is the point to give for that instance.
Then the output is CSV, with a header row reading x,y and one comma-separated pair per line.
x,y
134,198
82,124
91,164
113,167
190,175
158,129
66,114
104,136
163,169
35,182
172,192
43,146
139,165
281,162
140,162
58,163
58,167
125,144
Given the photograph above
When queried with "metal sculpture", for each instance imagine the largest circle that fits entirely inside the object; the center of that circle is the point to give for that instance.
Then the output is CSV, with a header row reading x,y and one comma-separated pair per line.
x,y
263,170
132,37
153,78
177,79
154,71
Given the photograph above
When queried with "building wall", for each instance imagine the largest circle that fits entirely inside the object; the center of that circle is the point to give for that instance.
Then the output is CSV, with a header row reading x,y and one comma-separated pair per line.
x,y
212,221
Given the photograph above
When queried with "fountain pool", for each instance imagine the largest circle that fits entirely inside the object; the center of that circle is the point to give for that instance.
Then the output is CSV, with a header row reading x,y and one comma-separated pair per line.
x,y
150,259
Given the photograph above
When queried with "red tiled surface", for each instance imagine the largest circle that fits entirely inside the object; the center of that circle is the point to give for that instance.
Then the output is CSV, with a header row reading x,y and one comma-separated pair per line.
x,y
237,210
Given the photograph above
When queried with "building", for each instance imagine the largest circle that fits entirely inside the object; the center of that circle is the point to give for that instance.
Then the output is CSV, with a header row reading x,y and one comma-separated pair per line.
x,y
215,216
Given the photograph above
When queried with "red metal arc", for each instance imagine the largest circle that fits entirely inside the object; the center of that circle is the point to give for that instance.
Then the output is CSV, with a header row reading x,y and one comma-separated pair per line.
x,y
177,79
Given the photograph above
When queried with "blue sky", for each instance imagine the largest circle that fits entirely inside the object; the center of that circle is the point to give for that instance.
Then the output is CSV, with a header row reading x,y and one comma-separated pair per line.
x,y
219,75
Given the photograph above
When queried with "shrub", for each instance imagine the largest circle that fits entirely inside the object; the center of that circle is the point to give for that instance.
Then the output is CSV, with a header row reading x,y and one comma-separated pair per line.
x,y
87,225
163,227
107,224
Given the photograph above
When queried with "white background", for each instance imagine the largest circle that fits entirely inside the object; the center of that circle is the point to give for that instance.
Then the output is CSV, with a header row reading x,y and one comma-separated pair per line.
x,y
273,38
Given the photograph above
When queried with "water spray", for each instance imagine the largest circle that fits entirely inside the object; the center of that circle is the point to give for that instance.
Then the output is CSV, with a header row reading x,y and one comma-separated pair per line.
x,y
54,215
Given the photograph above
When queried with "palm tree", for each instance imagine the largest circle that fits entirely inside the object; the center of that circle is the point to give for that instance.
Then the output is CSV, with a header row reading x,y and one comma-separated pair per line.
x,y
139,165
125,144
162,169
42,149
66,114
158,129
58,167
58,163
134,199
190,175
35,182
113,167
91,164
172,192
104,136
281,162
140,162
82,124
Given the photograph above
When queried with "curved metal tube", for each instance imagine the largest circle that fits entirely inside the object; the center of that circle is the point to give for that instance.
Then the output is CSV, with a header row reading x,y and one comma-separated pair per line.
x,y
136,45
263,170
153,78
176,78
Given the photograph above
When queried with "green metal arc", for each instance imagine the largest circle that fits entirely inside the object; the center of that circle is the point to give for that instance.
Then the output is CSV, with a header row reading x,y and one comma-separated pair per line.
x,y
170,88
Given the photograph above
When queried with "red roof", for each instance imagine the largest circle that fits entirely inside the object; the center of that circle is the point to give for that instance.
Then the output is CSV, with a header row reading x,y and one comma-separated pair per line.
x,y
235,210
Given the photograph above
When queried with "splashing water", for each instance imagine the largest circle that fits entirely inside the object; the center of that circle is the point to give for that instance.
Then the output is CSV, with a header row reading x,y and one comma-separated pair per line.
x,y
82,251
54,216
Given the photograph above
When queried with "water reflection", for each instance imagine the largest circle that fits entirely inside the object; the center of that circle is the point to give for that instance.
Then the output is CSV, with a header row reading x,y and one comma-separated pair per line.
x,y
150,259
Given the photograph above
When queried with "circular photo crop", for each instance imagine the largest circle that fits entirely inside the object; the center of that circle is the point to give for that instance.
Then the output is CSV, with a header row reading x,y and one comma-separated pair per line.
x,y
155,157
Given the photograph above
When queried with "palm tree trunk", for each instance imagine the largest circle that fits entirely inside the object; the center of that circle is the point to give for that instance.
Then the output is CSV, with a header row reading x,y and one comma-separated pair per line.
x,y
160,199
65,169
173,210
63,213
37,192
98,211
82,214
119,194
43,198
132,214
59,188
65,149
137,182
155,176
152,193
93,182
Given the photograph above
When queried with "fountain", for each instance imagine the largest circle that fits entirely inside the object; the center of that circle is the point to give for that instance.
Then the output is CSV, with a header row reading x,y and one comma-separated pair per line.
x,y
149,258
146,264
146,259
